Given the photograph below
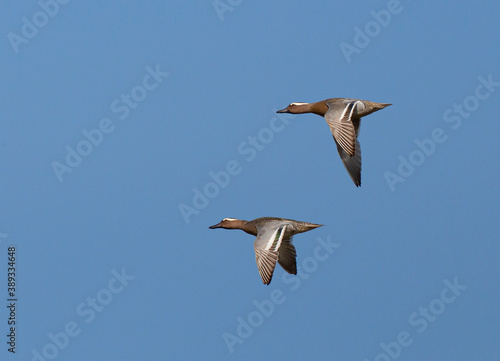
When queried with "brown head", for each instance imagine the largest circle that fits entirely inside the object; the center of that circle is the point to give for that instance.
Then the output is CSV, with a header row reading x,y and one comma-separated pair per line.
x,y
319,108
233,223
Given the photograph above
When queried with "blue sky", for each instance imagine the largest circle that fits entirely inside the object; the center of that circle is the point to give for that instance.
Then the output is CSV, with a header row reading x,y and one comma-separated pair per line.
x,y
115,118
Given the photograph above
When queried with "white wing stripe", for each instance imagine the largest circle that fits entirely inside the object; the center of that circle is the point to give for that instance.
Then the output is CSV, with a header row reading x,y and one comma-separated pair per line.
x,y
345,110
273,243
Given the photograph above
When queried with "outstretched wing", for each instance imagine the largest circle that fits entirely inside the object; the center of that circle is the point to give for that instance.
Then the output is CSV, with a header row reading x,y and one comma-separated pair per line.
x,y
352,164
287,256
341,125
266,247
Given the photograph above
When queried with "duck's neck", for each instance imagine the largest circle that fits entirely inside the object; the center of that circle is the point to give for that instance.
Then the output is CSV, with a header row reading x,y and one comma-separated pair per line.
x,y
319,108
248,227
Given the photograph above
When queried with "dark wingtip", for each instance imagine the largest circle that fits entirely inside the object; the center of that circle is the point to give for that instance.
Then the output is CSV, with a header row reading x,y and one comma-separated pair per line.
x,y
357,180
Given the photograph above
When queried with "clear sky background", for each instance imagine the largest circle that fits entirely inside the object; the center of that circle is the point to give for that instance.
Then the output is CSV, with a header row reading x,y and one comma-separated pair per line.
x,y
111,266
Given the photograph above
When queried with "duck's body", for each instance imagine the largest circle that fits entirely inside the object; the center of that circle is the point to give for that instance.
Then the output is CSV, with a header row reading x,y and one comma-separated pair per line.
x,y
273,243
343,116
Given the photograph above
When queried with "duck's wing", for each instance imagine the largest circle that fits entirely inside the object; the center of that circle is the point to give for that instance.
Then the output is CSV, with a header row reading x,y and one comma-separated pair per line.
x,y
352,164
341,124
266,247
287,256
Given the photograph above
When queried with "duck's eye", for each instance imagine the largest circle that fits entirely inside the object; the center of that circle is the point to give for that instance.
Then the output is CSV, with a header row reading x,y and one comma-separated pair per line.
x,y
292,104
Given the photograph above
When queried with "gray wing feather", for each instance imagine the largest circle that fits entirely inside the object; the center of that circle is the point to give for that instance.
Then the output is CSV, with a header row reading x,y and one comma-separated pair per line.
x,y
343,130
352,164
266,262
266,248
287,256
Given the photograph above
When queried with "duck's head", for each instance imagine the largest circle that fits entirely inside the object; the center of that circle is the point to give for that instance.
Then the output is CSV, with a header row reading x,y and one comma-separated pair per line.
x,y
295,108
228,223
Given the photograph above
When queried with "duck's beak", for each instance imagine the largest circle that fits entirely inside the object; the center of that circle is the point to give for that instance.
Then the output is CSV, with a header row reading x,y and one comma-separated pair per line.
x,y
283,110
218,225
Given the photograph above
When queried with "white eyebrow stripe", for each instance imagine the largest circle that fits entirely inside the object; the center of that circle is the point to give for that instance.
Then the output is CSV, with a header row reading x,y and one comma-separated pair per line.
x,y
229,219
298,103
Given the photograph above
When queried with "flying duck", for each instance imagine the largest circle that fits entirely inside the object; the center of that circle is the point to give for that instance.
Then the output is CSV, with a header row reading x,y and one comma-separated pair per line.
x,y
273,243
343,115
